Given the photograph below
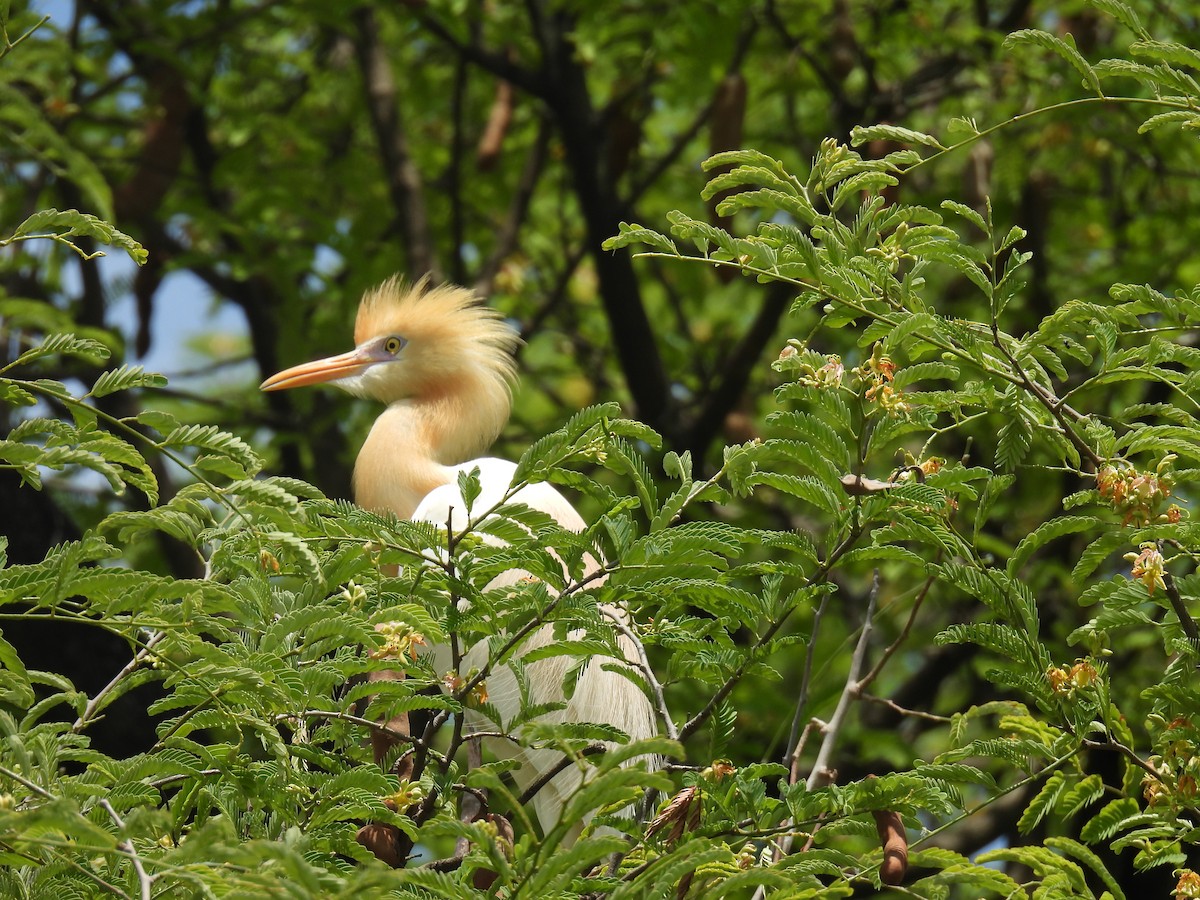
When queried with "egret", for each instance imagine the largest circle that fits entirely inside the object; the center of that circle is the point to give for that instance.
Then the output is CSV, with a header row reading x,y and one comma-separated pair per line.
x,y
442,364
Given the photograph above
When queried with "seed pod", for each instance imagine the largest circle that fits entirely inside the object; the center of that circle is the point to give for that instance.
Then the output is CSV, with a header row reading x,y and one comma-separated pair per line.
x,y
895,846
499,119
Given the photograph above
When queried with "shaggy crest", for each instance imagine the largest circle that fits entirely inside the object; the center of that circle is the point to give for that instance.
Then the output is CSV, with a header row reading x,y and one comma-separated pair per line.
x,y
448,317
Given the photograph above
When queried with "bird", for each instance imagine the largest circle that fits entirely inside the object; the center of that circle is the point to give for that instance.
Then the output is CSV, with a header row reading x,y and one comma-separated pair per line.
x,y
442,364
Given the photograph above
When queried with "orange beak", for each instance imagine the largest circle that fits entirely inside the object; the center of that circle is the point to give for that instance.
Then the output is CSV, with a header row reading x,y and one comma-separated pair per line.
x,y
320,370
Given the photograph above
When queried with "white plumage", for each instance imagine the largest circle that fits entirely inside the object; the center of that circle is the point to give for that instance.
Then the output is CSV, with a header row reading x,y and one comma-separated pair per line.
x,y
443,365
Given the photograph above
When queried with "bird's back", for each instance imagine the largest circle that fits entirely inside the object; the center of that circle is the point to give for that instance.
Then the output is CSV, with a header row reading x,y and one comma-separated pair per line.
x,y
601,694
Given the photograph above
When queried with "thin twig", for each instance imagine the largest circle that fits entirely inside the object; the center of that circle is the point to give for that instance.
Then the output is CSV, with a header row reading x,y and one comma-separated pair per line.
x,y
25,782
1127,752
905,711
694,723
125,845
794,737
546,777
1049,401
644,667
94,704
351,719
685,137
849,692
518,210
402,176
820,774
870,677
1186,622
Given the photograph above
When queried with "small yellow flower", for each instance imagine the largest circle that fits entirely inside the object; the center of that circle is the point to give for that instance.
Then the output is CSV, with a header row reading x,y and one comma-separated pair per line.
x,y
830,374
399,640
405,796
1066,681
1148,566
719,770
1188,887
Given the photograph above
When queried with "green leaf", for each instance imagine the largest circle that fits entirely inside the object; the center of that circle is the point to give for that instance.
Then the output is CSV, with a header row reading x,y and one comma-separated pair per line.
x,y
65,344
860,135
15,686
1045,533
638,234
1096,553
1064,48
69,223
1013,440
124,378
210,439
1110,820
1183,117
1122,13
743,158
1168,52
967,213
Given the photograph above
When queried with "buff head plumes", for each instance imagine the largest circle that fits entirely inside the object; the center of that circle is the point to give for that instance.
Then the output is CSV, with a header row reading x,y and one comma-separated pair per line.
x,y
417,341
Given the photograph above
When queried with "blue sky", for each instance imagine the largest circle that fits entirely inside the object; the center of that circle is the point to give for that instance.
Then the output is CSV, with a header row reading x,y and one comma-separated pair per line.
x,y
184,306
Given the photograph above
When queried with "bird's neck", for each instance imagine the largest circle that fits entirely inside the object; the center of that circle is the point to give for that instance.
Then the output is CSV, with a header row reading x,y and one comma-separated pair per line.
x,y
415,442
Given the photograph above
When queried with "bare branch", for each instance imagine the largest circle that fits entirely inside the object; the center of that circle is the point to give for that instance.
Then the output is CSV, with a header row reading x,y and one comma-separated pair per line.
x,y
849,692
492,61
821,773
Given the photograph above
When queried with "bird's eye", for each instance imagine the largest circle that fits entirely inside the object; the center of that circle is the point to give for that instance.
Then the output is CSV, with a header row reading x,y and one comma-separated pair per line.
x,y
393,345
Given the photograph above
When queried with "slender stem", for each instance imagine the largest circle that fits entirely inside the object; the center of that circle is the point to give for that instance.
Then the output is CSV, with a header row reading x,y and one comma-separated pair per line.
x,y
59,238
145,881
904,711
952,349
900,638
647,671
820,773
1047,399
694,723
121,425
546,777
8,45
1186,622
1040,111
795,738
94,704
352,719
25,782
966,814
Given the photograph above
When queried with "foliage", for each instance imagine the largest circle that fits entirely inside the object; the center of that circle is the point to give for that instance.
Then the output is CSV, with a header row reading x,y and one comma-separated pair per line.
x,y
895,463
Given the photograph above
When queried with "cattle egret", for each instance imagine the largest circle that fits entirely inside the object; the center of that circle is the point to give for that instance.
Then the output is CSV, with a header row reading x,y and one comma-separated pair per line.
x,y
443,366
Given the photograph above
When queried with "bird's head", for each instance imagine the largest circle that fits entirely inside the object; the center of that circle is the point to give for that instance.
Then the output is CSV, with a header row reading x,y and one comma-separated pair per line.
x,y
414,341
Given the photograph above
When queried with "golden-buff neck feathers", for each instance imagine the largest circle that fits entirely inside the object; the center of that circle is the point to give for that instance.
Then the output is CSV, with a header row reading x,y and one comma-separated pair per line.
x,y
449,391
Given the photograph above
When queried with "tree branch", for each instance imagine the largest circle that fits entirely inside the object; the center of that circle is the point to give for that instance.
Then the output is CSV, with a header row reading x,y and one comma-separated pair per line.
x,y
94,704
497,63
403,179
145,881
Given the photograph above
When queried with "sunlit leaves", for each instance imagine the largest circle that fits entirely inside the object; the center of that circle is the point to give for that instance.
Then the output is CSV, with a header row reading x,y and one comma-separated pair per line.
x,y
63,225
